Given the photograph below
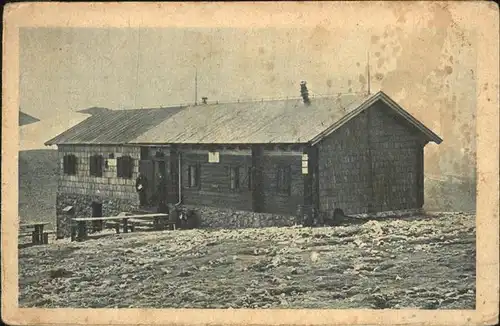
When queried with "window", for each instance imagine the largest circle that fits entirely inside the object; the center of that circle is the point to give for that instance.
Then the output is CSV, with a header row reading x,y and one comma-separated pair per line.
x,y
234,177
69,164
96,163
194,175
124,167
284,177
144,153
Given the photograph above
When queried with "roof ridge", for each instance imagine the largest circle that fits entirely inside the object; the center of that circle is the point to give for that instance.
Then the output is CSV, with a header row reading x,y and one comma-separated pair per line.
x,y
275,99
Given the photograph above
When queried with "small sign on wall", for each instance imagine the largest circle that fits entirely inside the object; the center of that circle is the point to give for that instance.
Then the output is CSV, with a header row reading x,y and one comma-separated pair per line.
x,y
111,162
305,163
213,157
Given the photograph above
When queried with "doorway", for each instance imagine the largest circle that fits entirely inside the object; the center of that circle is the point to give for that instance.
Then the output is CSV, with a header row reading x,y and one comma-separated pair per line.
x,y
160,166
97,212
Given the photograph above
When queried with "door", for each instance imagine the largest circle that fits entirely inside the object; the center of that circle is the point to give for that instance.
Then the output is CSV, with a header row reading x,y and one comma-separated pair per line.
x,y
146,167
97,212
160,167
173,180
96,209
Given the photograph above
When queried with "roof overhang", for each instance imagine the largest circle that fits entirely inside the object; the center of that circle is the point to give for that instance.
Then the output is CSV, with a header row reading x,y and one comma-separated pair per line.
x,y
379,96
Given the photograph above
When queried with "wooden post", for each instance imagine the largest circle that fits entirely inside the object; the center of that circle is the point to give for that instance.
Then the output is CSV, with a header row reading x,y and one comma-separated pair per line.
x,y
73,231
34,238
314,170
256,175
125,225
39,233
82,230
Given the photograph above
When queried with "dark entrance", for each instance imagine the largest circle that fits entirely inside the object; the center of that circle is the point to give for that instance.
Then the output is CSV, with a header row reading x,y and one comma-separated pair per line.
x,y
97,212
160,169
153,163
173,181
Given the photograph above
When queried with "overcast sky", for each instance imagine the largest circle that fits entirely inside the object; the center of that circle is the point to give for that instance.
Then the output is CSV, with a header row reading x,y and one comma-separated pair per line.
x,y
425,62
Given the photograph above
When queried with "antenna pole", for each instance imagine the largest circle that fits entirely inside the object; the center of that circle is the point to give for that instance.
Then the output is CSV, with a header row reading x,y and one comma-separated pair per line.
x,y
368,68
196,87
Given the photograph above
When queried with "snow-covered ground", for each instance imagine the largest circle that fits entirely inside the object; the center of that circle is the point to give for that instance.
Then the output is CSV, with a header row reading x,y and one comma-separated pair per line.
x,y
418,262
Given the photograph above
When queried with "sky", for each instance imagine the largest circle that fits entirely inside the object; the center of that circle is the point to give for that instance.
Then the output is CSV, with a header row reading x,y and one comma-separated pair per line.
x,y
425,62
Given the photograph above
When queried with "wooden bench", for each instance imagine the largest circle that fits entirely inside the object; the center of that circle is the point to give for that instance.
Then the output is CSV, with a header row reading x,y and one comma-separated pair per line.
x,y
35,230
80,233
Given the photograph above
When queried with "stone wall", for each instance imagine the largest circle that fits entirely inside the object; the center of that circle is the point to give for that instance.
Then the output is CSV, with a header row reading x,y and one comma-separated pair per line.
x,y
109,185
212,217
82,206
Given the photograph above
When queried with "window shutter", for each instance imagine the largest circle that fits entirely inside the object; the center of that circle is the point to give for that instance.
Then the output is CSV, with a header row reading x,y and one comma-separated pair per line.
x,y
236,177
130,167
119,167
99,164
65,164
74,164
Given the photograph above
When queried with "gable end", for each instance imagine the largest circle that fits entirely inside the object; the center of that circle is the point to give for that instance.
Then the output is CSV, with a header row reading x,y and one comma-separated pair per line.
x,y
370,102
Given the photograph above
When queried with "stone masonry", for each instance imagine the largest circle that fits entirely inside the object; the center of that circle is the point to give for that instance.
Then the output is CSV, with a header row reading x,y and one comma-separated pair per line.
x,y
212,217
82,205
81,190
109,184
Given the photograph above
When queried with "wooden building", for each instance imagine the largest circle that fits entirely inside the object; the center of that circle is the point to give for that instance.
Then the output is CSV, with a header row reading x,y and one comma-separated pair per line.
x,y
360,153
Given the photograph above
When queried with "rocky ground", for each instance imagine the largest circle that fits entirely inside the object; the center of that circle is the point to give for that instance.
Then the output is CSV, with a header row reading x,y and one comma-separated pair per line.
x,y
419,262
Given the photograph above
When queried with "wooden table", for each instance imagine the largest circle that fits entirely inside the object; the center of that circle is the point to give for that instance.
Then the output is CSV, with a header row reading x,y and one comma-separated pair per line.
x,y
37,236
82,226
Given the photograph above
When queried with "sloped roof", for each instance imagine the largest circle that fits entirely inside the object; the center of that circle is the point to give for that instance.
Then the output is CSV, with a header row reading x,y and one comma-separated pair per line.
x,y
26,119
276,121
280,121
113,126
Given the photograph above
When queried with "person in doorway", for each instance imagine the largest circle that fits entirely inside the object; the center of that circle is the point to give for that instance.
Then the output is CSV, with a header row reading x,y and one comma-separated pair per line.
x,y
161,191
140,186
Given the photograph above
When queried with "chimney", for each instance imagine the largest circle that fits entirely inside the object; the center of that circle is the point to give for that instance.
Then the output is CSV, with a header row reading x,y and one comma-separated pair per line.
x,y
304,92
204,100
